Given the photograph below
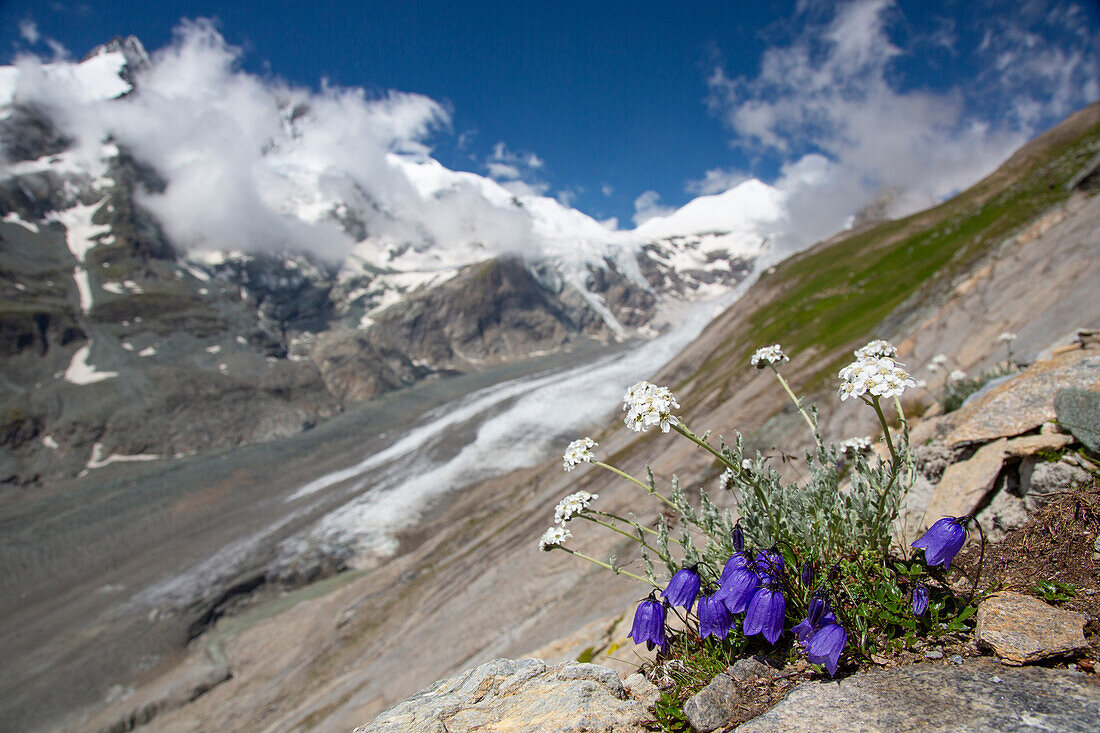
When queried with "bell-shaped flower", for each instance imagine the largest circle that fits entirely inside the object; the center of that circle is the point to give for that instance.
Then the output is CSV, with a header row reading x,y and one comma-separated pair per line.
x,y
770,563
817,616
807,574
766,613
736,561
920,600
683,588
943,540
714,618
825,645
738,590
738,538
649,624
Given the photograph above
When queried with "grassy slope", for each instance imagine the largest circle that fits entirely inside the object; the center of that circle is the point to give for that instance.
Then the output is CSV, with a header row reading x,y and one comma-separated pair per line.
x,y
833,296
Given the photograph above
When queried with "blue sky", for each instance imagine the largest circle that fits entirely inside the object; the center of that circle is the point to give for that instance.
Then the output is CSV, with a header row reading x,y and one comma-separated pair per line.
x,y
622,109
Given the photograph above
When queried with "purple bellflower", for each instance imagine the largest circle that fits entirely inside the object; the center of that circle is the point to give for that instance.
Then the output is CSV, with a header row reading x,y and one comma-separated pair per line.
x,y
766,612
738,538
737,560
714,618
649,623
920,600
769,563
943,540
739,588
683,588
825,645
807,574
819,614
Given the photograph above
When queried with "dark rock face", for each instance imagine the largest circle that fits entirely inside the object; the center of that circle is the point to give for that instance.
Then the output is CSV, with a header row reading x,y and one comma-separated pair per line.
x,y
492,311
1078,411
976,695
28,134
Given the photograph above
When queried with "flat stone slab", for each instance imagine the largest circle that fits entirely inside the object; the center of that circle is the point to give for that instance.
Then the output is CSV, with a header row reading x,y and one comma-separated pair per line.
x,y
524,696
1021,629
1029,445
1025,402
965,484
978,695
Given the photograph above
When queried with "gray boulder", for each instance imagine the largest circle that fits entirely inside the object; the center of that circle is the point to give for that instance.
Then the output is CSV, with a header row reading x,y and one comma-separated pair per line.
x,y
977,695
1078,411
522,695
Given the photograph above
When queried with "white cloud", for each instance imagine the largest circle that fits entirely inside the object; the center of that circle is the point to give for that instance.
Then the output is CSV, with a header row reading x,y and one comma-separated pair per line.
x,y
28,29
647,206
607,189
716,180
832,102
517,171
257,164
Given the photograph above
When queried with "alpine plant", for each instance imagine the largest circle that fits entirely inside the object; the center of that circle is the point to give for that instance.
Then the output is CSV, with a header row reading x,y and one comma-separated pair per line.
x,y
759,574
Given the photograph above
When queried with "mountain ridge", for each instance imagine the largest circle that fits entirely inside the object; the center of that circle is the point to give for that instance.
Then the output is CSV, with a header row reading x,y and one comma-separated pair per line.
x,y
104,292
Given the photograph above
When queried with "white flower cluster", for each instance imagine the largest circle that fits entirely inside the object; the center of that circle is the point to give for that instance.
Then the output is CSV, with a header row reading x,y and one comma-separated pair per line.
x,y
553,537
956,375
578,452
647,404
855,445
1008,337
769,355
573,505
877,349
877,376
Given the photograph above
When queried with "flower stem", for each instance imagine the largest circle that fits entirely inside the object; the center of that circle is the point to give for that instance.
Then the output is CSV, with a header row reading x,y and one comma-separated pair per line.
x,y
901,417
645,486
797,403
631,522
981,559
683,430
608,566
885,432
636,538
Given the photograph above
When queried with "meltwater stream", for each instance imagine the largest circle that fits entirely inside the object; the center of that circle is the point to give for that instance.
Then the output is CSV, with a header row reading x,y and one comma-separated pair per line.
x,y
515,424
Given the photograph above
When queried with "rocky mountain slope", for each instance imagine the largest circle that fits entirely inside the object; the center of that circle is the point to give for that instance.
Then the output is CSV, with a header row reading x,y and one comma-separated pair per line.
x,y
125,335
1016,252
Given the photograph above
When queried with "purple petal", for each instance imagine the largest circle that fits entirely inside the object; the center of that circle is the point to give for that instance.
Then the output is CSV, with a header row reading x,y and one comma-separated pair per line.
x,y
683,588
765,614
825,645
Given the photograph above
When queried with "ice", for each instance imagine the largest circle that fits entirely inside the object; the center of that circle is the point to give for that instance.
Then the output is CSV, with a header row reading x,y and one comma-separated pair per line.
x,y
13,218
98,461
81,372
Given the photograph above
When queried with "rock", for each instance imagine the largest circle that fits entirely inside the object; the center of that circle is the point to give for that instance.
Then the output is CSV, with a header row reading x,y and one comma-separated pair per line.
x,y
966,483
1038,480
1027,401
1079,411
1005,512
642,690
1030,445
978,694
167,694
1022,629
747,669
522,695
933,459
714,705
